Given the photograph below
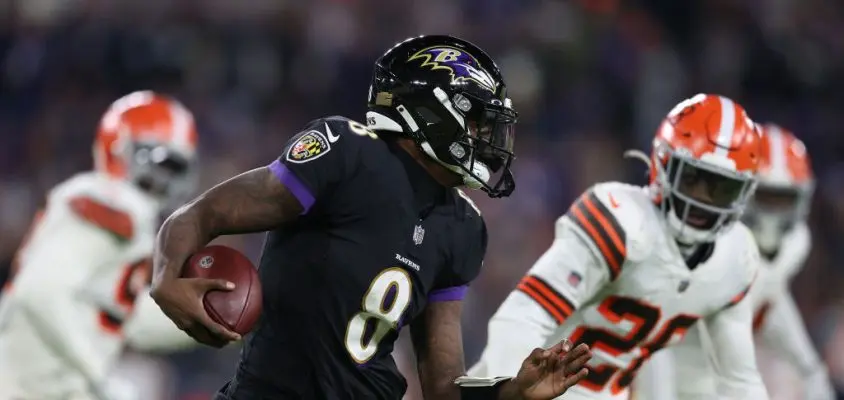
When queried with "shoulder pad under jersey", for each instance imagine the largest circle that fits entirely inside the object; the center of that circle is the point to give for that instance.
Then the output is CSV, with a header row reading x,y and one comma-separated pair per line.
x,y
613,218
112,205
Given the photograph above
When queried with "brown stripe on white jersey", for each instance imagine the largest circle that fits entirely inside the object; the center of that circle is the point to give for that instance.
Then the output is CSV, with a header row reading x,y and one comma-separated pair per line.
x,y
554,303
602,228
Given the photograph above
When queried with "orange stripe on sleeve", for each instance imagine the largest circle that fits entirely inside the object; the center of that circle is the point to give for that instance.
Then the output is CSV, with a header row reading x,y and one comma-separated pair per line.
x,y
602,228
115,221
554,303
739,297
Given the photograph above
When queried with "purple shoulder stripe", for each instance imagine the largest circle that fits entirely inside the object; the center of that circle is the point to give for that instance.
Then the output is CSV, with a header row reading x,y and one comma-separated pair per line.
x,y
448,294
294,185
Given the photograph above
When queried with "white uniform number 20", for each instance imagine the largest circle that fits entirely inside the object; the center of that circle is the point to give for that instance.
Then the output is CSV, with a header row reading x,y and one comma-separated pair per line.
x,y
383,305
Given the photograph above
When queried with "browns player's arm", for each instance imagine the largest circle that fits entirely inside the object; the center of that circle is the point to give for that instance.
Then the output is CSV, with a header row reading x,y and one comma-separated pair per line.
x,y
587,253
731,331
253,201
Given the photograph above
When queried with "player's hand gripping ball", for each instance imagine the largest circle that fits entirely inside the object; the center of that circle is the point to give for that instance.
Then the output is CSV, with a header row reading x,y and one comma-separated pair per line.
x,y
240,308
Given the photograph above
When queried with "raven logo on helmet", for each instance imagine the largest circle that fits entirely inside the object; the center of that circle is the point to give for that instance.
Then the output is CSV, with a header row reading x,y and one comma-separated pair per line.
x,y
461,65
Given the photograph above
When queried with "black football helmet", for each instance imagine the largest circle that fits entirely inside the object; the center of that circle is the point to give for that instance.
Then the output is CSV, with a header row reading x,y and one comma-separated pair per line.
x,y
449,97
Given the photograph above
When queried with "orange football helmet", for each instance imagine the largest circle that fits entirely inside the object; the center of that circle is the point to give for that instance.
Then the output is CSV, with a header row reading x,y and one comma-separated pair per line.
x,y
786,186
150,140
703,166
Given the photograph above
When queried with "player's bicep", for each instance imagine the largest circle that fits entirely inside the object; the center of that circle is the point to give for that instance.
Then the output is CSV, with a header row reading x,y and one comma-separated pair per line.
x,y
253,201
438,343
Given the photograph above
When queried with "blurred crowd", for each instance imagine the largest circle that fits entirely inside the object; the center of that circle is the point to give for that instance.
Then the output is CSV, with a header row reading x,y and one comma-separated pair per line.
x,y
590,79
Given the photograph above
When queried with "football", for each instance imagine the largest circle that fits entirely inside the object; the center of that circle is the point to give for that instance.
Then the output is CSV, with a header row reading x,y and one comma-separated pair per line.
x,y
240,308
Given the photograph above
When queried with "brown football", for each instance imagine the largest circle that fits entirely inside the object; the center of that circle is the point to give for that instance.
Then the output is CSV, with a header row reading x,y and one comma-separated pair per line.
x,y
240,308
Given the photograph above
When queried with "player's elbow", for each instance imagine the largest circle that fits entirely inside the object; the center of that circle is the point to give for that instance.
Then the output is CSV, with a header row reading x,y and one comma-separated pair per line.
x,y
193,213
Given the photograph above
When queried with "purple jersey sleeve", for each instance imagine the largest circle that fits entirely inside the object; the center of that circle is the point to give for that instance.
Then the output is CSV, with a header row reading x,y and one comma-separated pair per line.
x,y
315,160
293,184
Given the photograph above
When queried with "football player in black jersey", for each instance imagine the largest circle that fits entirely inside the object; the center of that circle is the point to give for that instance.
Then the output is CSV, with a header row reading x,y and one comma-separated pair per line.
x,y
368,232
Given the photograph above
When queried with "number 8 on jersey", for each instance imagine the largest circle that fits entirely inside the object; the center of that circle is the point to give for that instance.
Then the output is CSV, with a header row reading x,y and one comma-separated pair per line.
x,y
383,305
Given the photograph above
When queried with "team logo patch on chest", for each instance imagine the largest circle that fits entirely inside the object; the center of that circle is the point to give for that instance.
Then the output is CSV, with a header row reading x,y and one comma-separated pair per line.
x,y
309,146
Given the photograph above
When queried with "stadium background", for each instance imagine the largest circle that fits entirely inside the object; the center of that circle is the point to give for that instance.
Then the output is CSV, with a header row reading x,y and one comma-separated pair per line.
x,y
590,79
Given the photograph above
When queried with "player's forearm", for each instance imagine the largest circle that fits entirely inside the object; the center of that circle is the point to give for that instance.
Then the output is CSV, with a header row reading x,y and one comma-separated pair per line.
x,y
436,385
732,342
518,327
784,331
438,368
438,343
181,235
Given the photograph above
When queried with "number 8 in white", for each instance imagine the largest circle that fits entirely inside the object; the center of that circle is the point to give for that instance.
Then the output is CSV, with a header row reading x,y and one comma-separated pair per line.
x,y
385,301
361,129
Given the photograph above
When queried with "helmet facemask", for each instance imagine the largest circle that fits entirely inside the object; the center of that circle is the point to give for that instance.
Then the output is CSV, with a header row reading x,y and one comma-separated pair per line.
x,y
699,198
469,135
163,172
449,97
775,210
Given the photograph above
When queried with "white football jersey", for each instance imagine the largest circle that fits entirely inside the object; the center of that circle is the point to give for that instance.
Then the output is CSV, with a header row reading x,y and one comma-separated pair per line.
x,y
776,322
79,292
615,279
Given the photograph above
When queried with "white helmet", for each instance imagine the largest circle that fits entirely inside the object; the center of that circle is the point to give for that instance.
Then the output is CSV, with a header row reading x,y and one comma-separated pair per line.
x,y
786,185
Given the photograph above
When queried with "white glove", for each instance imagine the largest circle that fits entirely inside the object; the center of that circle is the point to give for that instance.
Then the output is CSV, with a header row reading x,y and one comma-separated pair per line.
x,y
817,385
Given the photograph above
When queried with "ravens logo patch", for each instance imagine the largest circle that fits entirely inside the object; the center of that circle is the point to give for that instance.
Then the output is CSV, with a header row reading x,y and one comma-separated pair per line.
x,y
308,146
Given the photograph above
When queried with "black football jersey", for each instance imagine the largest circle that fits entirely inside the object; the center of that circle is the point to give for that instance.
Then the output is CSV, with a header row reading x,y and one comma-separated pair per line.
x,y
377,241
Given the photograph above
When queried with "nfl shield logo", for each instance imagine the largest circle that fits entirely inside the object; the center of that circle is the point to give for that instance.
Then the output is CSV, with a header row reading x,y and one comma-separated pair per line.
x,y
418,234
684,284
